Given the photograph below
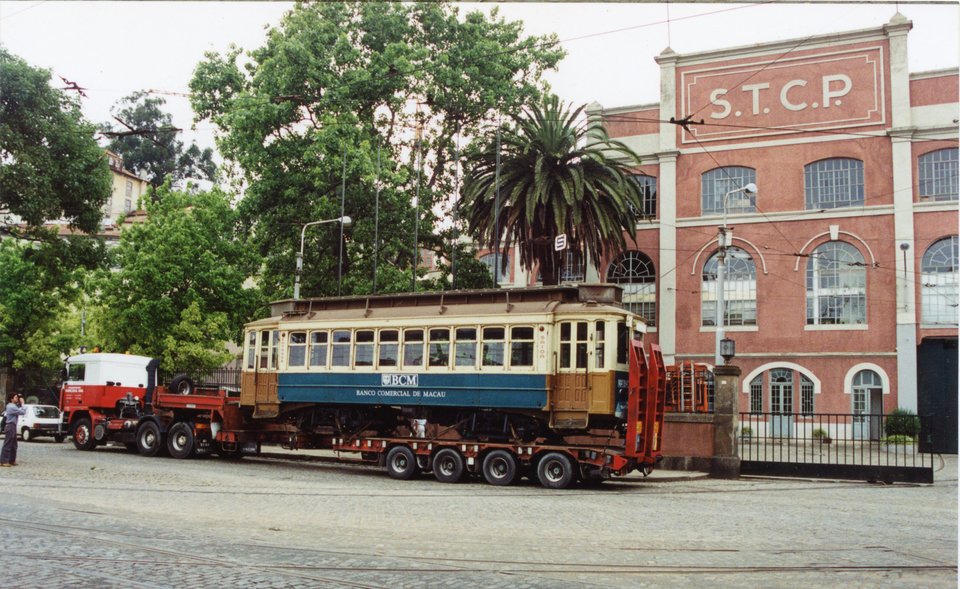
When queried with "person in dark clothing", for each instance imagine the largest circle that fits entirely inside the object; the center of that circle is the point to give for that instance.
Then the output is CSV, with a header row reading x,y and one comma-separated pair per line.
x,y
8,455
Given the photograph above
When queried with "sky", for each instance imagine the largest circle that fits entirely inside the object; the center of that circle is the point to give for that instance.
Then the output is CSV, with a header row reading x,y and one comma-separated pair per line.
x,y
115,48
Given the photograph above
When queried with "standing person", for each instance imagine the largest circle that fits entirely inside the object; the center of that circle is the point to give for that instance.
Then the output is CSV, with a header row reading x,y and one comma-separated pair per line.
x,y
8,455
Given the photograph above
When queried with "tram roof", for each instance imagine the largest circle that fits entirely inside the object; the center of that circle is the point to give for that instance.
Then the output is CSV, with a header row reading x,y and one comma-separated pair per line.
x,y
532,299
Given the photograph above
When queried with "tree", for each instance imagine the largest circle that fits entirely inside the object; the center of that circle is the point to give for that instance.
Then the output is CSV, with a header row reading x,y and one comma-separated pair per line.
x,y
383,90
147,139
178,290
50,165
34,302
556,175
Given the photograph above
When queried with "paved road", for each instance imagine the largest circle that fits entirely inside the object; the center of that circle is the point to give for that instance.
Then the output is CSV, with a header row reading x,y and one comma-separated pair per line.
x,y
112,519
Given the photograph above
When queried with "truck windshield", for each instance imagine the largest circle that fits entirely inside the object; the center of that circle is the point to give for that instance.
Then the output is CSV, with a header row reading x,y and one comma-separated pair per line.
x,y
76,372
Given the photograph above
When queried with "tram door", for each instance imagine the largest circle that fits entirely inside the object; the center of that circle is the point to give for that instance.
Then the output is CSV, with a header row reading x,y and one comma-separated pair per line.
x,y
570,397
781,403
259,388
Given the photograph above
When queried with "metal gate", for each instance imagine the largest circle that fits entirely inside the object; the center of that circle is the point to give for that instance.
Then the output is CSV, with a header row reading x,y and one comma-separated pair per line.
x,y
833,445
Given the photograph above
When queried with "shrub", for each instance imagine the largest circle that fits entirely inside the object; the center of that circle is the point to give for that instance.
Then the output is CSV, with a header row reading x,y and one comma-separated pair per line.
x,y
902,422
898,439
819,433
746,431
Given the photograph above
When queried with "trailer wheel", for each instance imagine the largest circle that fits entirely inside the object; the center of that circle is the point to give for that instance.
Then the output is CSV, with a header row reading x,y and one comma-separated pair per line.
x,y
83,434
448,466
555,470
181,385
500,468
26,435
180,440
401,463
149,439
59,438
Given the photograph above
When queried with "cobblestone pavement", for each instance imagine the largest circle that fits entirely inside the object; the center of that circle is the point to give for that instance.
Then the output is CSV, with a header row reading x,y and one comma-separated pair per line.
x,y
109,518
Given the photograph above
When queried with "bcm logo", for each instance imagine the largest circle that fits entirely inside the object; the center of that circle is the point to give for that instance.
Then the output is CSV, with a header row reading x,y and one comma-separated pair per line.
x,y
400,380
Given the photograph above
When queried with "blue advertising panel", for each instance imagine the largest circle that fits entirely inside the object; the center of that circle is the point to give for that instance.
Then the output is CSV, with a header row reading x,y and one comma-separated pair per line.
x,y
514,391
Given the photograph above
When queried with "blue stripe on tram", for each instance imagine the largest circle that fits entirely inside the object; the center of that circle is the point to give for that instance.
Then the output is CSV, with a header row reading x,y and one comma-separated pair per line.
x,y
513,391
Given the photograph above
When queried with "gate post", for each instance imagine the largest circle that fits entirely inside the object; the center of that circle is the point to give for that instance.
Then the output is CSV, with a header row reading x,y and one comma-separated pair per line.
x,y
726,388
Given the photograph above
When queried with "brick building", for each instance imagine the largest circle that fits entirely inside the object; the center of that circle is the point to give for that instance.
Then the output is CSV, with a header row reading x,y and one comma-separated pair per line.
x,y
844,262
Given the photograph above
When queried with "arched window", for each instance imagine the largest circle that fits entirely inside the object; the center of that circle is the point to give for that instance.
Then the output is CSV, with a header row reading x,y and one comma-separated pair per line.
x,y
756,394
716,183
939,296
634,271
938,174
501,260
833,183
806,395
648,189
836,285
739,289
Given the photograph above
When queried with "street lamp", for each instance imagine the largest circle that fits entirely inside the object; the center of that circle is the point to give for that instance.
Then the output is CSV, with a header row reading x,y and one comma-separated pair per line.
x,y
723,239
296,282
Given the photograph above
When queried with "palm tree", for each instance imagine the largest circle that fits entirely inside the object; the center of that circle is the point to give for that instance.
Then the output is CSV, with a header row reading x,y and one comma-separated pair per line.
x,y
556,175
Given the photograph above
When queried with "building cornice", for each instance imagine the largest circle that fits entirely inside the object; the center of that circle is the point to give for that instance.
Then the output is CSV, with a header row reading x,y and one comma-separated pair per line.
x,y
941,73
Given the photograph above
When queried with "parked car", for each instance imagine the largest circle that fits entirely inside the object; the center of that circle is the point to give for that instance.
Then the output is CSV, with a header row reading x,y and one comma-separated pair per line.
x,y
40,420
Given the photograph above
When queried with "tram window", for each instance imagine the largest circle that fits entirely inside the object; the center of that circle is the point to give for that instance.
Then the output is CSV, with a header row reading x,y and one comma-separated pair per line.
x,y
599,345
466,347
564,345
439,347
581,344
521,346
493,346
274,349
389,347
318,349
622,349
341,348
264,349
252,350
413,347
363,356
297,350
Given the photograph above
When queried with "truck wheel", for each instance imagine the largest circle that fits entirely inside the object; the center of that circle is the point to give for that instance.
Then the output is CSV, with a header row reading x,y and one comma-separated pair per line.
x,y
448,466
26,435
83,434
500,468
180,441
401,463
181,385
149,439
555,470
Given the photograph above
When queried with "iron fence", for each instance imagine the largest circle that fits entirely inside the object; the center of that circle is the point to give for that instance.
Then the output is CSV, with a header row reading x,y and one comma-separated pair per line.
x,y
837,445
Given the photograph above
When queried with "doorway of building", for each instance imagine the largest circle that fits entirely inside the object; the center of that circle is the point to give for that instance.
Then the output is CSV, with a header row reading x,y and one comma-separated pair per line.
x,y
781,403
867,405
937,394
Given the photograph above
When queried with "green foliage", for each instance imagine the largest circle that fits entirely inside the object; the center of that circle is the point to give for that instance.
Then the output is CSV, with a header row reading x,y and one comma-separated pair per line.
x,y
819,433
178,290
384,87
34,299
158,153
556,175
899,439
746,431
50,164
902,422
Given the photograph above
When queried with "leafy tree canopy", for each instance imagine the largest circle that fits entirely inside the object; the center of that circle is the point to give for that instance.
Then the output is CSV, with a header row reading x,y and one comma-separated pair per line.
x,y
50,165
384,88
558,174
178,292
147,139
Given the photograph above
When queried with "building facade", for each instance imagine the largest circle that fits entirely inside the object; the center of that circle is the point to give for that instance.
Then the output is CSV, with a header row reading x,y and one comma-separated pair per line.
x,y
126,192
843,262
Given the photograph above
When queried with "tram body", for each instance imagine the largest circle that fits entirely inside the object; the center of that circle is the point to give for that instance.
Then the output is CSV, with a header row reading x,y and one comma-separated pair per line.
x,y
521,364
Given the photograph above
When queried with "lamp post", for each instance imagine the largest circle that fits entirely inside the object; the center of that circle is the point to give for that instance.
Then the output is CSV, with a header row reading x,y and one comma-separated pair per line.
x,y
346,221
723,239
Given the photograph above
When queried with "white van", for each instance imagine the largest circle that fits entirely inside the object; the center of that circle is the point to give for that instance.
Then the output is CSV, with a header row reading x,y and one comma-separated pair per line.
x,y
40,420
